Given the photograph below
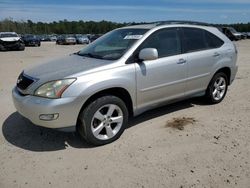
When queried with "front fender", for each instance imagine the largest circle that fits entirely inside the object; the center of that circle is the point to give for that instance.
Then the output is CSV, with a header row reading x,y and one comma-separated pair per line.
x,y
120,77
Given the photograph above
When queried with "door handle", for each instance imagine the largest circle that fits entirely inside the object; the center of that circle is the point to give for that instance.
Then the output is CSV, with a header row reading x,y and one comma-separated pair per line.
x,y
216,54
182,61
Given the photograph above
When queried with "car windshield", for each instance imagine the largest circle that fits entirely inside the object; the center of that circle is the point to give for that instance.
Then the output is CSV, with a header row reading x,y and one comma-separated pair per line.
x,y
232,30
113,45
6,35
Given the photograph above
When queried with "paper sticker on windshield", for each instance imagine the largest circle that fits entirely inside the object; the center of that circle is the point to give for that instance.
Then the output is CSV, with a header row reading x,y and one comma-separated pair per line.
x,y
133,37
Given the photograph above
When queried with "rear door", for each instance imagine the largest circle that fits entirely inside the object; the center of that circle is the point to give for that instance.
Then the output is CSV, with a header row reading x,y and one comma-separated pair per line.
x,y
202,52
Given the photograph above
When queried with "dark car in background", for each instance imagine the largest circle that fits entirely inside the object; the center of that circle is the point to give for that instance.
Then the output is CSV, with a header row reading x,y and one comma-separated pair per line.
x,y
231,33
94,37
248,35
31,40
66,39
10,41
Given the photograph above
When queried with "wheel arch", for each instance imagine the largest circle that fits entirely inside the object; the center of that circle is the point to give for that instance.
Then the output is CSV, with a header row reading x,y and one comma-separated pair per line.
x,y
225,70
119,92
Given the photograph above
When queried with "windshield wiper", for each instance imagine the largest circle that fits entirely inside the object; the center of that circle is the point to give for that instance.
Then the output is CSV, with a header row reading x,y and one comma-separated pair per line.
x,y
90,55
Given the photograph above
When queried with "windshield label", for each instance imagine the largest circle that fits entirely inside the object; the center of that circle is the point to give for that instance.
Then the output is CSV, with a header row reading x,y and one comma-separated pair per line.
x,y
133,37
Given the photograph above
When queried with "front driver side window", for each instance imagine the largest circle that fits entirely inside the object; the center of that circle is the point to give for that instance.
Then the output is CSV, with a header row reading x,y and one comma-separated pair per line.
x,y
166,41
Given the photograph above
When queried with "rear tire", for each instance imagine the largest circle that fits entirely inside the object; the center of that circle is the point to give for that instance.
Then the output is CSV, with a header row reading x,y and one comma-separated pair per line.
x,y
103,120
217,88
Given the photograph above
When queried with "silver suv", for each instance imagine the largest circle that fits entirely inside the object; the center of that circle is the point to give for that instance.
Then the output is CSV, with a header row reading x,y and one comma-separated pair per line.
x,y
124,73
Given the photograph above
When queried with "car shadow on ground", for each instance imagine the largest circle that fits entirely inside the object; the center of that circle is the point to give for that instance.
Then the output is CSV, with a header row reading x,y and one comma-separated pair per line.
x,y
167,109
23,134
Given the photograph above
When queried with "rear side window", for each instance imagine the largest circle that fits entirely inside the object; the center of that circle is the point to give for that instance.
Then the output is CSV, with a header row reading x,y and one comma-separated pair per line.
x,y
166,41
195,39
213,41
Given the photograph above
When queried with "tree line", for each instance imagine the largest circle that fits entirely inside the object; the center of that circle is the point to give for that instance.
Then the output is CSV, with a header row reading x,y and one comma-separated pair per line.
x,y
74,27
60,27
241,27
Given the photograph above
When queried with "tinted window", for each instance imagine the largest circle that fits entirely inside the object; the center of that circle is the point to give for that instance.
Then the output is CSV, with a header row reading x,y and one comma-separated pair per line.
x,y
213,41
166,41
193,39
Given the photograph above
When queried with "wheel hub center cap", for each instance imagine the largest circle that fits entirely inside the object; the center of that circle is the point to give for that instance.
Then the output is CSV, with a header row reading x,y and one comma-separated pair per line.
x,y
107,121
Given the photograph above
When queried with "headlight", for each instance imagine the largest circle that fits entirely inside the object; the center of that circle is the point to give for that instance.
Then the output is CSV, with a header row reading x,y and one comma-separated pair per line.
x,y
54,89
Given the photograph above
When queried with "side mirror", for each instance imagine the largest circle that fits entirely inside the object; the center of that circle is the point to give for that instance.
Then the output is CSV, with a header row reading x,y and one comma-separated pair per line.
x,y
148,54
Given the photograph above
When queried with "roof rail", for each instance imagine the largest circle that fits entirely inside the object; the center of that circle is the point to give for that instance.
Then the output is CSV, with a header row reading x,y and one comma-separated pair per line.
x,y
181,22
141,23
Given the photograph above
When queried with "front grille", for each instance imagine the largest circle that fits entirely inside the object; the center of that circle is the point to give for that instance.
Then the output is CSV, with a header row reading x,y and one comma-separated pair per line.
x,y
23,81
10,43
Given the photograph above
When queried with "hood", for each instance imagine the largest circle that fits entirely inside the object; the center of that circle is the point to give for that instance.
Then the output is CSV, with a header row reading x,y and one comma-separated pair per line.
x,y
64,67
10,39
237,34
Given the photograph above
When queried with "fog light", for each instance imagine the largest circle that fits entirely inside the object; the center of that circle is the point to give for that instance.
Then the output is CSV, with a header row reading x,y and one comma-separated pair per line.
x,y
48,117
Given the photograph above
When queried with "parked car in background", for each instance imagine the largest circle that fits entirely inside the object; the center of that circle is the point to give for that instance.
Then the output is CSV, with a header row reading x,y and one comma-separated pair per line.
x,y
248,35
31,40
243,35
231,33
82,39
93,37
59,39
53,38
66,39
124,73
10,41
44,38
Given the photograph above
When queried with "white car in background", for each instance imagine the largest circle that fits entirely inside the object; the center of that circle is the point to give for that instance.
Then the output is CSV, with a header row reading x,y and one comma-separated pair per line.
x,y
11,41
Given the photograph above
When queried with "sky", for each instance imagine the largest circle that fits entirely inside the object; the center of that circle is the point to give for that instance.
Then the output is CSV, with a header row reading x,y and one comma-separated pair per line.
x,y
211,11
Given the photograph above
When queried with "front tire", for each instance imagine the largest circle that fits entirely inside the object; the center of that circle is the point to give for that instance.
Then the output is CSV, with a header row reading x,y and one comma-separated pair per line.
x,y
21,47
217,88
103,120
2,47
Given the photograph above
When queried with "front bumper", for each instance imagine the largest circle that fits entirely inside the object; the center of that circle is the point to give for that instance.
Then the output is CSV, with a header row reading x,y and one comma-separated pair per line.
x,y
13,45
31,107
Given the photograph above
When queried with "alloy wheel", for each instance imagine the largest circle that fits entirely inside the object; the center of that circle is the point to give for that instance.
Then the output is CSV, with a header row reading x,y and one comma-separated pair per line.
x,y
219,88
107,121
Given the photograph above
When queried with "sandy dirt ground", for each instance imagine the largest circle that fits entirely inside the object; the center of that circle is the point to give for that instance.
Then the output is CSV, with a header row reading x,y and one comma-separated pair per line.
x,y
211,149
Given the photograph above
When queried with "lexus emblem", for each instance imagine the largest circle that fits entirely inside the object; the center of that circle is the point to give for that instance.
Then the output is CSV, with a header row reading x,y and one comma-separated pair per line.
x,y
19,80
